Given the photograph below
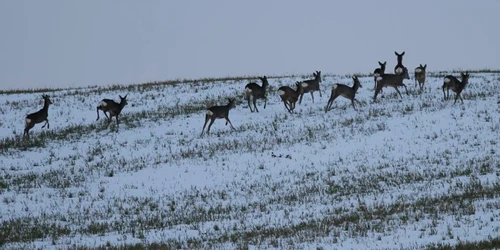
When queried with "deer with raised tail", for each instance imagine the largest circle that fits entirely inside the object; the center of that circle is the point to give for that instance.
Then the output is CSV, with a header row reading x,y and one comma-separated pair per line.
x,y
218,112
399,68
290,96
451,82
38,117
254,91
112,107
309,86
392,80
344,91
377,72
420,76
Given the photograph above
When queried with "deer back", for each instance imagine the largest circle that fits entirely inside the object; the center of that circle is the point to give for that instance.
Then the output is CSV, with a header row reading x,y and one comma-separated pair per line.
x,y
381,70
451,82
393,79
420,72
398,69
255,89
42,114
312,84
222,111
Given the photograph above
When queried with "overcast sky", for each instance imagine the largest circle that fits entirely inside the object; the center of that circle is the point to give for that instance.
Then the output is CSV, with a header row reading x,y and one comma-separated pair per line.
x,y
63,43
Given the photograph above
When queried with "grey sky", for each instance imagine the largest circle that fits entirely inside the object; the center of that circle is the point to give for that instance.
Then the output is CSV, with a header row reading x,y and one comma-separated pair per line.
x,y
68,43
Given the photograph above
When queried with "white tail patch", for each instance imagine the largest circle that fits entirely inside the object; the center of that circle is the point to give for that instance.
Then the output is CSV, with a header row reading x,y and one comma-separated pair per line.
x,y
418,70
27,121
399,70
379,78
209,112
281,92
248,90
304,84
376,74
447,80
335,86
103,104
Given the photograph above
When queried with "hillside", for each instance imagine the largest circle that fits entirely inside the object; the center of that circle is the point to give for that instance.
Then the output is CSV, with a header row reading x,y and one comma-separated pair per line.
x,y
408,173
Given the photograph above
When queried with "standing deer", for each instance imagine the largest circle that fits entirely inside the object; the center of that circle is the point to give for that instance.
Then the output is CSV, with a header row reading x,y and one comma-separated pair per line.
x,y
398,69
309,86
392,80
114,108
290,96
420,76
345,91
218,112
254,91
451,82
377,72
38,117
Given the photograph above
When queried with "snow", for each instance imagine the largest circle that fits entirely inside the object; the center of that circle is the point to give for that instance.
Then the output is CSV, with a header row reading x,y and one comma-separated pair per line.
x,y
276,171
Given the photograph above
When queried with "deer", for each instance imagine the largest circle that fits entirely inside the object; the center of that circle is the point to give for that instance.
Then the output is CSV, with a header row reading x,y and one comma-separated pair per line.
x,y
451,82
254,91
112,107
344,91
290,96
218,112
378,71
309,86
38,117
392,80
398,69
420,76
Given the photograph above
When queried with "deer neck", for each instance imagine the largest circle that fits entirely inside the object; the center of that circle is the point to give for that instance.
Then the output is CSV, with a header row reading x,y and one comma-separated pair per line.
x,y
46,106
122,104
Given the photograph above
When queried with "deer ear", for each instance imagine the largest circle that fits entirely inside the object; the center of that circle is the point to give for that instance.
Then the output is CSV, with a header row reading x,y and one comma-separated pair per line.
x,y
125,96
396,53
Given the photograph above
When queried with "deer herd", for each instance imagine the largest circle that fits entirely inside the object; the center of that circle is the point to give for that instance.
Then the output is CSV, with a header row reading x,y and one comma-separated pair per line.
x,y
288,95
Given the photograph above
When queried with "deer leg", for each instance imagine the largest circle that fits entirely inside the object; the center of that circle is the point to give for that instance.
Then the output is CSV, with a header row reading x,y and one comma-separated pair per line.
x,y
265,102
330,103
404,85
312,95
376,92
206,121
255,104
212,120
353,106
117,122
227,120
97,114
285,102
300,99
397,90
249,106
46,124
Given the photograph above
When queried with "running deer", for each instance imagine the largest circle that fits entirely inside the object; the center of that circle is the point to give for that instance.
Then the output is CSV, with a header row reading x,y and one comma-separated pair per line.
x,y
309,86
451,82
38,117
290,96
218,112
254,91
399,67
420,76
392,80
345,91
114,108
377,72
